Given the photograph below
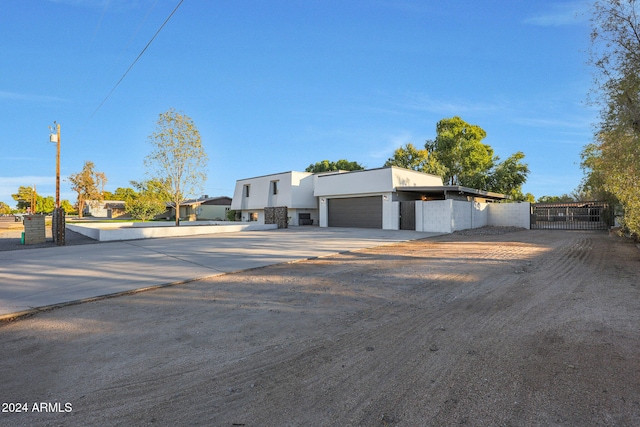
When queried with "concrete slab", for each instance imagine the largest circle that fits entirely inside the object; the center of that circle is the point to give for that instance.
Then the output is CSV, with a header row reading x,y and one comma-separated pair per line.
x,y
42,278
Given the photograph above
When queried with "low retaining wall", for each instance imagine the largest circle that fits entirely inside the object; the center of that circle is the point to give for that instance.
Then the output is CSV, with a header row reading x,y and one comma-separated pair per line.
x,y
107,231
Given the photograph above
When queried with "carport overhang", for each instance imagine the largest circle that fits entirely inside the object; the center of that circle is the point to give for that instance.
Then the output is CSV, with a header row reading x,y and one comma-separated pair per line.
x,y
447,191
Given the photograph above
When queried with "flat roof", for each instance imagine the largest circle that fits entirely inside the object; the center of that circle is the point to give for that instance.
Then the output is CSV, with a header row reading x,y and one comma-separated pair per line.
x,y
455,189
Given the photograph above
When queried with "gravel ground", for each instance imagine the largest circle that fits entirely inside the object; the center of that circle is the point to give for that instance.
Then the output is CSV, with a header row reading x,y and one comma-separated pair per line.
x,y
10,235
535,328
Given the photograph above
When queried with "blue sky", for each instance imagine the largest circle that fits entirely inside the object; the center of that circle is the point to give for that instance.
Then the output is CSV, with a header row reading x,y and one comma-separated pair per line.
x,y
278,85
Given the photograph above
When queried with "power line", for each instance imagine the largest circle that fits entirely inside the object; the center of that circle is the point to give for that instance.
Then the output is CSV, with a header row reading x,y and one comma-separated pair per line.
x,y
134,62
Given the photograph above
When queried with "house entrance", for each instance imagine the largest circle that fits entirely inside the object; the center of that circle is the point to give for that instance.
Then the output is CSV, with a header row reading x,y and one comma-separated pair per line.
x,y
570,216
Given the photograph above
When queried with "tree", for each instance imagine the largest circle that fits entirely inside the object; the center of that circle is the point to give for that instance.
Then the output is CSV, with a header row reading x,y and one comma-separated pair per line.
x,y
67,206
150,199
459,157
88,184
144,207
328,166
178,159
409,157
508,177
458,147
612,162
125,193
45,204
24,197
565,198
4,209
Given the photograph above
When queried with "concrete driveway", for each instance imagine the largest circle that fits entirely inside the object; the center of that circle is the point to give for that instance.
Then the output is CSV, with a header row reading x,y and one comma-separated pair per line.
x,y
32,280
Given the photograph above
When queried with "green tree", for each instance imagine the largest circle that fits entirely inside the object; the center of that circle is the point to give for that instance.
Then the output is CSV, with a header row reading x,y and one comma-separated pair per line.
x,y
328,166
67,206
24,197
459,157
144,207
508,177
612,162
409,157
146,203
124,193
565,198
4,209
88,184
458,147
45,205
178,159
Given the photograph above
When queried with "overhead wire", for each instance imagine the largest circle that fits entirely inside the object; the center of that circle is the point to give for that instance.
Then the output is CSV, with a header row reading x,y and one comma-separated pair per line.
x,y
134,61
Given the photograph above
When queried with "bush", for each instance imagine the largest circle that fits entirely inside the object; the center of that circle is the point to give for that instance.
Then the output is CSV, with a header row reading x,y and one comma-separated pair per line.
x,y
144,208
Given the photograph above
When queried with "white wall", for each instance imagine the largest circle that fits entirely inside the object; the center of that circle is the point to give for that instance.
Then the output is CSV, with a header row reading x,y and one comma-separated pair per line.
x,y
434,216
480,215
295,190
447,216
372,181
390,213
510,214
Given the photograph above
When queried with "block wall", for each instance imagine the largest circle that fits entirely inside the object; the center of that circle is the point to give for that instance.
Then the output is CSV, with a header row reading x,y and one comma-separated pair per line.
x,y
510,214
34,229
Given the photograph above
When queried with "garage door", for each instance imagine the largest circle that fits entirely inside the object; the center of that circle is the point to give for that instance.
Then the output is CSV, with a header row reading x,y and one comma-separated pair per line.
x,y
359,212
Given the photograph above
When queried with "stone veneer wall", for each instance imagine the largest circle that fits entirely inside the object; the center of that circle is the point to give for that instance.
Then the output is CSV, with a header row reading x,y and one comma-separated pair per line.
x,y
277,215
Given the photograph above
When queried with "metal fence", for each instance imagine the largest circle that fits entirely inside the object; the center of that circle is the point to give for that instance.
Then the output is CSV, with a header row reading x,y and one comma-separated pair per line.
x,y
570,216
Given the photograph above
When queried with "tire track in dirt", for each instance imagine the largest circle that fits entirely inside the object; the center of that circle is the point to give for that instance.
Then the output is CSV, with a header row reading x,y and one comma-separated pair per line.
x,y
526,328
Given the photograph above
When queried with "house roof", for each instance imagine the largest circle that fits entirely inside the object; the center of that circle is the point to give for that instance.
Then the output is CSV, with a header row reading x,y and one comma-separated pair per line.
x,y
454,189
206,200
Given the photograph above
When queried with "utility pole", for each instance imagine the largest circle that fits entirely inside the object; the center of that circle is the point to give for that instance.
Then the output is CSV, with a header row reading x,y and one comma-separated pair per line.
x,y
58,213
55,137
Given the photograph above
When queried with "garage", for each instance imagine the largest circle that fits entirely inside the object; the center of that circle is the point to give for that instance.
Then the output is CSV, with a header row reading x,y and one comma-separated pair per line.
x,y
357,212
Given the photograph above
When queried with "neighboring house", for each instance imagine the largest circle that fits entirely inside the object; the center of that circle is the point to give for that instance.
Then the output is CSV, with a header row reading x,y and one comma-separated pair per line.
x,y
214,208
204,208
105,209
383,198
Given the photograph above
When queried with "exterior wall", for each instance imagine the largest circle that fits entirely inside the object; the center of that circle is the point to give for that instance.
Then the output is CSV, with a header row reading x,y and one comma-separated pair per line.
x,y
245,215
390,213
302,191
293,216
213,212
34,229
323,212
480,214
369,182
447,216
434,216
461,215
128,231
295,190
510,214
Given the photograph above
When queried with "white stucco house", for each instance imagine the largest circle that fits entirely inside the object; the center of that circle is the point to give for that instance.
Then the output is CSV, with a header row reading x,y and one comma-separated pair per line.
x,y
389,198
291,189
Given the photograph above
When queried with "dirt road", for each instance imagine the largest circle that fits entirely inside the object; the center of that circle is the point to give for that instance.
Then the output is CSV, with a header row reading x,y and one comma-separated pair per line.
x,y
523,328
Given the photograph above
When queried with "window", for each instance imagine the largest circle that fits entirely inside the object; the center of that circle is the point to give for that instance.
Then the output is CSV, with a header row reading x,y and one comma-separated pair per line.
x,y
246,190
253,216
274,187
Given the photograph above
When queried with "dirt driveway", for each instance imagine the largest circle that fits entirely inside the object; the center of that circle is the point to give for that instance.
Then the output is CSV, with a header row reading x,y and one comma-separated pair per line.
x,y
523,328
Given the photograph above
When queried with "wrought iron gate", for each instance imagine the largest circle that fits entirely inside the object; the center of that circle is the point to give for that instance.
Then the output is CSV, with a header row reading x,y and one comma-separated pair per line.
x,y
570,216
